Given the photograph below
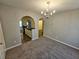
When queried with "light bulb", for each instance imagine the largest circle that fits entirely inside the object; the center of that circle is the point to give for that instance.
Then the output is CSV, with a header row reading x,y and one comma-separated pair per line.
x,y
51,13
41,12
54,11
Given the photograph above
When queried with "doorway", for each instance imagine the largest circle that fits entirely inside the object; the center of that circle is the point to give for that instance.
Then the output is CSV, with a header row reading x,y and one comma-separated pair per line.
x,y
40,27
27,24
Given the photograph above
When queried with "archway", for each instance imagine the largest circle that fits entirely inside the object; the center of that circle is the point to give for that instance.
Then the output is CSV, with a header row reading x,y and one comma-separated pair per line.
x,y
27,24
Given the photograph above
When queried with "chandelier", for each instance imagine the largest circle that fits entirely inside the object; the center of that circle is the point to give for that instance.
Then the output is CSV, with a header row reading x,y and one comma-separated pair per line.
x,y
47,12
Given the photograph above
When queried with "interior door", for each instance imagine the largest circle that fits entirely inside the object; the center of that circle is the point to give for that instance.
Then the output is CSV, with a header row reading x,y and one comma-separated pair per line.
x,y
2,44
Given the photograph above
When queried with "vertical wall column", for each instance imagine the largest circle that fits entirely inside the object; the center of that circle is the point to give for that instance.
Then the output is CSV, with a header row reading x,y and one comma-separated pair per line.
x,y
35,31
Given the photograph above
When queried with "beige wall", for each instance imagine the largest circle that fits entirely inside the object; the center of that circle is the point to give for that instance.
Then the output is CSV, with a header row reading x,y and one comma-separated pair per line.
x,y
64,27
10,17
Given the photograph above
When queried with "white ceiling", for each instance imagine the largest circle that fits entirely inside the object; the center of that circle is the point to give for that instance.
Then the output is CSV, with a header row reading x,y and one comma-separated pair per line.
x,y
38,5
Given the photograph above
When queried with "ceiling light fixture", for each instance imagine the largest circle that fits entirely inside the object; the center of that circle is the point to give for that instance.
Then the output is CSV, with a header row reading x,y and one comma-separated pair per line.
x,y
47,12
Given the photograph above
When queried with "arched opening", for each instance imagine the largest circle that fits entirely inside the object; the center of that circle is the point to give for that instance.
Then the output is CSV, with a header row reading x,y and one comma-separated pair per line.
x,y
41,27
27,24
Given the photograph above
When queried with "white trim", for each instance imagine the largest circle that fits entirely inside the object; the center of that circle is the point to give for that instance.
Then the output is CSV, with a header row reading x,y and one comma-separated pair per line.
x,y
33,39
62,42
13,46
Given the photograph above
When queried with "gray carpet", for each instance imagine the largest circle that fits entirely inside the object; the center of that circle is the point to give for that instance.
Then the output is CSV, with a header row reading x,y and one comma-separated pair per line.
x,y
43,48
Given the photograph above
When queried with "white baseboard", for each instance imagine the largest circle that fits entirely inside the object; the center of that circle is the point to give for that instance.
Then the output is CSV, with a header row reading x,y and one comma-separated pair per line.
x,y
13,46
62,42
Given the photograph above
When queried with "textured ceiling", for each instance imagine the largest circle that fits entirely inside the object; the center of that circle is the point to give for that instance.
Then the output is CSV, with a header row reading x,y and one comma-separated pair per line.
x,y
38,5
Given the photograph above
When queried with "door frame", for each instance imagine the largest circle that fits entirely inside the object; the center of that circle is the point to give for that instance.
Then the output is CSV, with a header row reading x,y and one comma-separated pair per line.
x,y
2,44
